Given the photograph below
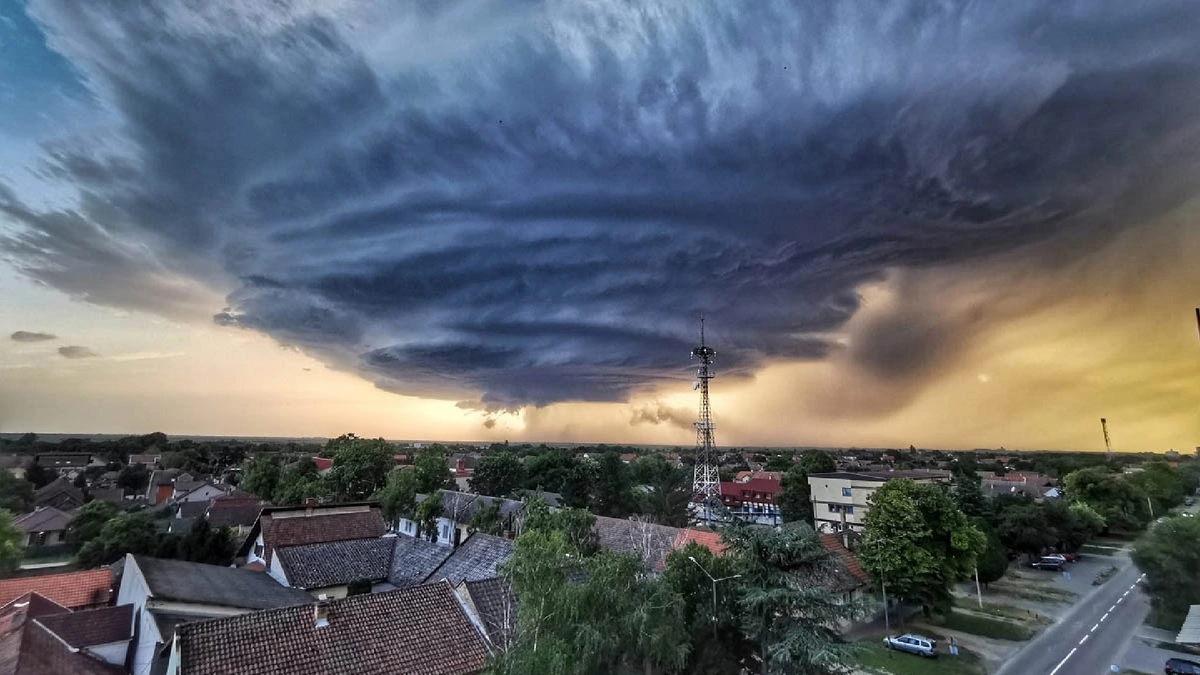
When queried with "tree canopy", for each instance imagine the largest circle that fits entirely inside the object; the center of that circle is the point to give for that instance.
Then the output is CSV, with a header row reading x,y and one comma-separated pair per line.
x,y
795,496
818,461
1169,554
498,474
10,544
360,466
1119,502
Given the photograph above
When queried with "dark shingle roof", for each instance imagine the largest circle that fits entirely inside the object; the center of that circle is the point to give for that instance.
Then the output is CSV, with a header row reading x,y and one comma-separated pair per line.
x,y
496,605
476,559
337,562
320,526
460,506
214,585
56,487
45,519
234,511
92,626
419,630
191,509
414,559
648,541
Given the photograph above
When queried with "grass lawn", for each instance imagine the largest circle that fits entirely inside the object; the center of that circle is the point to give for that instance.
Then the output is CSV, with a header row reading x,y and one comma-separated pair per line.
x,y
1002,611
876,658
976,624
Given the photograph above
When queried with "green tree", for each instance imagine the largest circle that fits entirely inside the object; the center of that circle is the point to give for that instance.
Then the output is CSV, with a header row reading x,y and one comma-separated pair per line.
x,y
795,496
612,495
87,522
427,514
498,474
15,493
711,611
778,462
577,526
968,494
993,560
549,470
206,544
127,533
261,476
432,464
579,485
1026,529
1169,554
787,607
360,466
398,497
39,475
816,461
1121,504
486,518
649,470
10,544
134,478
918,543
666,500
1164,485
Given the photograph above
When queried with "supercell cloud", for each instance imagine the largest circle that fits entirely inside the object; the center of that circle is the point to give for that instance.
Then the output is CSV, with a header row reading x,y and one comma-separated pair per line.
x,y
535,204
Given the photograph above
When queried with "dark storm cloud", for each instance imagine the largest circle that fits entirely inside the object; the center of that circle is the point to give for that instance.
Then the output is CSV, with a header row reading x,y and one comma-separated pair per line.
x,y
76,352
535,207
29,336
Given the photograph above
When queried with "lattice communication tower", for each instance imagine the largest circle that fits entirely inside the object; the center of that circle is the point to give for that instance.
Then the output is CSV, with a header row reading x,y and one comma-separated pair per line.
x,y
706,484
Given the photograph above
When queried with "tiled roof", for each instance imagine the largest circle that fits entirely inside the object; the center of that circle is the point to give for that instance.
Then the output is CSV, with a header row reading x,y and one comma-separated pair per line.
x,y
879,475
460,506
44,654
114,495
337,562
45,519
648,541
90,627
164,476
56,487
414,559
765,475
475,559
214,585
761,485
421,630
191,509
13,617
72,589
710,540
321,526
846,560
234,511
496,606
323,463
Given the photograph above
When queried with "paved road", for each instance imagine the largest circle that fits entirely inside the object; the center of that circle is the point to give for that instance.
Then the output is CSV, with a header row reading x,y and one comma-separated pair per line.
x,y
1091,637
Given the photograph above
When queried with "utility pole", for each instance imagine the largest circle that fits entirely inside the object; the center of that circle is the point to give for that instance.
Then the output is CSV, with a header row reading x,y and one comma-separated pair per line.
x,y
714,589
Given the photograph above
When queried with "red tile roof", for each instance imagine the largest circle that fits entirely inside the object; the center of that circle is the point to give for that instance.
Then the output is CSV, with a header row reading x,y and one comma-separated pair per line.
x,y
833,544
760,485
710,540
323,464
73,589
765,475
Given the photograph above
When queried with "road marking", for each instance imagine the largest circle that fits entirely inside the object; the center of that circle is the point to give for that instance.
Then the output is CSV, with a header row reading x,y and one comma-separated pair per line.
x,y
1060,663
1085,637
1093,630
1114,606
1104,617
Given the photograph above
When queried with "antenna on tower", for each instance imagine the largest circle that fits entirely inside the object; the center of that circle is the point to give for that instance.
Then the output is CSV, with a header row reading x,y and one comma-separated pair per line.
x,y
706,482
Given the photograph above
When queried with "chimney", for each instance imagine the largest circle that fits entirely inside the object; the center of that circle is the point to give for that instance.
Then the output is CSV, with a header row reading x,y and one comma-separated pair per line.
x,y
309,503
321,612
460,464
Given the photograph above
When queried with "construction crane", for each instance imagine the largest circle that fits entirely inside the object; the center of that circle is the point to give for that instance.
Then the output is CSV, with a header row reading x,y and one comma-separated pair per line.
x,y
1107,443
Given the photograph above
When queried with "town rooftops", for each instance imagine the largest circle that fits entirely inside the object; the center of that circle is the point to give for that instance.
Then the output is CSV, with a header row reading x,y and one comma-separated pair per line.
x,y
73,590
422,629
29,647
853,574
335,563
59,486
414,559
649,541
879,476
709,540
44,519
460,506
14,615
282,526
475,559
213,584
234,511
91,627
495,605
64,460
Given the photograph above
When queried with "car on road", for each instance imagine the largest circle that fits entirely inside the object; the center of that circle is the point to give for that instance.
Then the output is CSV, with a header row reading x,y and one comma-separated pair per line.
x,y
1048,563
1181,667
913,644
1065,557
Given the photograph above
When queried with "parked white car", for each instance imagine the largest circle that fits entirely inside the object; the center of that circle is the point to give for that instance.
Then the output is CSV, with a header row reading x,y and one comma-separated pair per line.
x,y
913,644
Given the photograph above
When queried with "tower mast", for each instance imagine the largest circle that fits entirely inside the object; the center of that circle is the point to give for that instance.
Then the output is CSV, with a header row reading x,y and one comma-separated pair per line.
x,y
706,483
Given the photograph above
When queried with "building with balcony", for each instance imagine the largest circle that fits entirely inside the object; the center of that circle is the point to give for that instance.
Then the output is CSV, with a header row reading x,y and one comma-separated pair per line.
x,y
840,499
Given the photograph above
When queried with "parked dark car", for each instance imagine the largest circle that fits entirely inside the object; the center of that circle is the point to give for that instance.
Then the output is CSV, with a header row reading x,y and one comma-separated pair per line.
x,y
1181,667
1051,564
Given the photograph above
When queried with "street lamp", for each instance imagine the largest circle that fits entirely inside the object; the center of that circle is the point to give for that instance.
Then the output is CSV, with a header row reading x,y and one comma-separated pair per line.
x,y
714,584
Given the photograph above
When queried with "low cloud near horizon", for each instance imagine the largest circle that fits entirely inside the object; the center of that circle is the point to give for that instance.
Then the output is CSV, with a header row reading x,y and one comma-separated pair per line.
x,y
76,352
30,336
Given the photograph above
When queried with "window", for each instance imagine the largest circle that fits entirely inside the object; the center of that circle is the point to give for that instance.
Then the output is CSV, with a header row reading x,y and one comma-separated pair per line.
x,y
848,509
258,550
833,508
745,494
847,492
41,539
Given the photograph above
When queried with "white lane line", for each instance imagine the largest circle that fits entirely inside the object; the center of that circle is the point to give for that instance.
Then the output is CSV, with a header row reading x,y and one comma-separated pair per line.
x,y
1114,606
1060,663
1093,630
1085,637
1104,617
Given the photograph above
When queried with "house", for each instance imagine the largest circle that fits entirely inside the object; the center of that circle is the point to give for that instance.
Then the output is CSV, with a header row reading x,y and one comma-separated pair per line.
x,y
74,590
167,593
112,495
493,602
324,464
747,476
162,484
851,581
195,491
414,559
705,538
281,526
454,524
328,568
423,629
629,457
60,494
478,558
40,637
47,526
648,541
149,460
235,511
752,500
67,464
840,499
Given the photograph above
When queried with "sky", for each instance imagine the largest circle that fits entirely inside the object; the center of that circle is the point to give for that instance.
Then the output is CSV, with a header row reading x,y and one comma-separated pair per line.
x,y
944,224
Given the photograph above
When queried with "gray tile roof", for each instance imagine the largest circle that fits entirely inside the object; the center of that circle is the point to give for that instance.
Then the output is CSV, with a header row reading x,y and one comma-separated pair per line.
x,y
648,541
460,506
419,630
337,562
414,559
92,626
495,605
214,585
475,559
45,519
